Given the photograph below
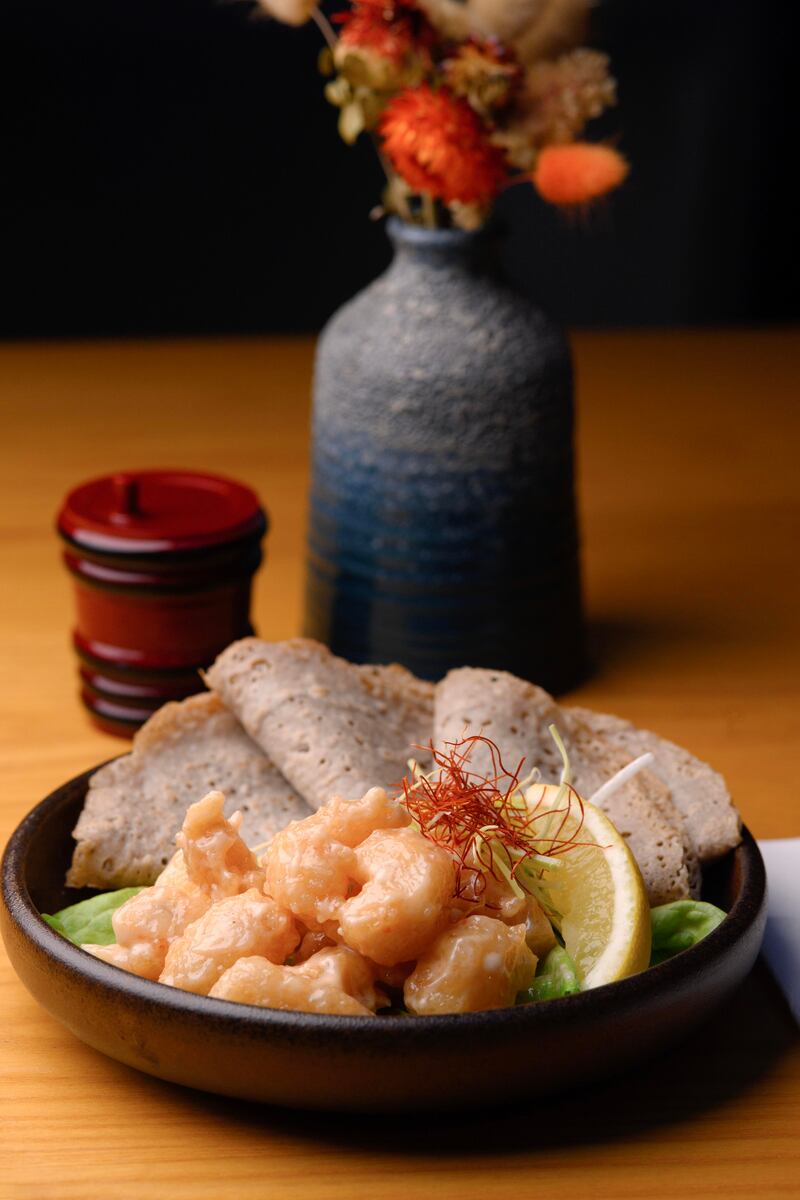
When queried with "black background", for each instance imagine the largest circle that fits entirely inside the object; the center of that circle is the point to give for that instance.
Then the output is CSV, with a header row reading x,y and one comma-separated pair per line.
x,y
171,166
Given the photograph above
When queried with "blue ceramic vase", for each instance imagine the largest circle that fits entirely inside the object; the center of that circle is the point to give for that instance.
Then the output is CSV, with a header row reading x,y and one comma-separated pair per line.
x,y
442,525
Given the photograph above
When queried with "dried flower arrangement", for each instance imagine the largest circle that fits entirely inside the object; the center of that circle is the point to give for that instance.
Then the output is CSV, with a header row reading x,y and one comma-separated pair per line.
x,y
465,97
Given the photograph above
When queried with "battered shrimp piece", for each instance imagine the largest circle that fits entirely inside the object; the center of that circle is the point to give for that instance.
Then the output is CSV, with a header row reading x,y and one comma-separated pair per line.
x,y
352,821
490,896
146,925
498,900
175,873
307,873
338,967
145,959
310,864
539,933
311,942
258,981
476,964
248,924
408,884
216,858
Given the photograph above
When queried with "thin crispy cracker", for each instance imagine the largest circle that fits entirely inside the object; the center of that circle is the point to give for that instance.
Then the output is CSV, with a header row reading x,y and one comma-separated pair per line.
x,y
513,713
643,811
516,715
698,791
136,804
332,728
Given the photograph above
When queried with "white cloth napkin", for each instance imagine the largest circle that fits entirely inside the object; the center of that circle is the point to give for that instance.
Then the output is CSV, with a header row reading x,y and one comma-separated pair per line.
x,y
782,938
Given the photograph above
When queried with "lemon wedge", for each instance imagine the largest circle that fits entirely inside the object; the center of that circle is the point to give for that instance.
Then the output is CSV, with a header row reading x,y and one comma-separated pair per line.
x,y
596,890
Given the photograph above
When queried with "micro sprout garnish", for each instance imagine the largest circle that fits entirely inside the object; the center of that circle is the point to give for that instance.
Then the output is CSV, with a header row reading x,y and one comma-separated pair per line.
x,y
565,793
506,869
498,857
566,770
533,776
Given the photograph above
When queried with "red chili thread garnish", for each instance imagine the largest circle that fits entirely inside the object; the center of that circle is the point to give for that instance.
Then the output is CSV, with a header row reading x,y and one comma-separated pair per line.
x,y
468,814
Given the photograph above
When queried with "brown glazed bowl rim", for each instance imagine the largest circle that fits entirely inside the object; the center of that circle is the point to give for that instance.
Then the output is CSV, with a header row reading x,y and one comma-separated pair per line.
x,y
746,910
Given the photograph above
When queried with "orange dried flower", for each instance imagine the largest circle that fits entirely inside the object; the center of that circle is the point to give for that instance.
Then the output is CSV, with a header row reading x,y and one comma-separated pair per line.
x,y
577,173
439,145
392,29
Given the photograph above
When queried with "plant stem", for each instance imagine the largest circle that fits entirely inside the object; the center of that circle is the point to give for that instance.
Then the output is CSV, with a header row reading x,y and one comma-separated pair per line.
x,y
324,26
404,208
381,157
428,210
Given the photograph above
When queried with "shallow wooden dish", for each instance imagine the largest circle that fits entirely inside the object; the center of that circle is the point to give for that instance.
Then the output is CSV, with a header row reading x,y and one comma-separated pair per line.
x,y
306,1060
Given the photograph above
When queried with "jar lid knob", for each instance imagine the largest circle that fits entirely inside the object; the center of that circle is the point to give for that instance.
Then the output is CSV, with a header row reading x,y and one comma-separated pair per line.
x,y
126,498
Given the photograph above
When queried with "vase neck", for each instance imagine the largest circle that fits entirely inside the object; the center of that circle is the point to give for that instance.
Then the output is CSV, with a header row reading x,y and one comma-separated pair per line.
x,y
475,251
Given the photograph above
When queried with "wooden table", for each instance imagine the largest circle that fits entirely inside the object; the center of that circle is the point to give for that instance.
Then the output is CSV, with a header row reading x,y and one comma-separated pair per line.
x,y
690,490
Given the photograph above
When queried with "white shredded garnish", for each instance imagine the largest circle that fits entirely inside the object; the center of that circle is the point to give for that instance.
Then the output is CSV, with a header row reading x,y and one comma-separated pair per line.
x,y
566,770
533,776
545,860
616,781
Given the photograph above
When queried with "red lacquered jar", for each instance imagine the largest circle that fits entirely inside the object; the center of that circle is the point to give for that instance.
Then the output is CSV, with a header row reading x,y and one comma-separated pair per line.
x,y
163,563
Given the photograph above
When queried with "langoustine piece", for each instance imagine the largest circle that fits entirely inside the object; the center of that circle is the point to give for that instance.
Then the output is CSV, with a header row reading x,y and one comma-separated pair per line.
x,y
147,924
407,884
212,862
310,865
342,968
216,858
498,899
336,981
233,928
477,963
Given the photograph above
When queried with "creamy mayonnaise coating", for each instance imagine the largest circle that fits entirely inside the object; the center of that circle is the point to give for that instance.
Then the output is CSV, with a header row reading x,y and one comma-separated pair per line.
x,y
216,858
310,866
258,981
148,923
499,901
212,862
235,927
346,903
406,886
477,963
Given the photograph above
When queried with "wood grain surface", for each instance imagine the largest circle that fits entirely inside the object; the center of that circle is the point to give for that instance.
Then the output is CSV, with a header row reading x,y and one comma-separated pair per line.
x,y
690,491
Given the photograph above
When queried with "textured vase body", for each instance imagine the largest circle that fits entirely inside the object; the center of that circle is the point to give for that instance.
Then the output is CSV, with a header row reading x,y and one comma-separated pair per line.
x,y
442,526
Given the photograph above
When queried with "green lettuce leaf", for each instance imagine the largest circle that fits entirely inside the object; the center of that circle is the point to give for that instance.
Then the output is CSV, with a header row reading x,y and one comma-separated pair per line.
x,y
679,925
555,976
90,920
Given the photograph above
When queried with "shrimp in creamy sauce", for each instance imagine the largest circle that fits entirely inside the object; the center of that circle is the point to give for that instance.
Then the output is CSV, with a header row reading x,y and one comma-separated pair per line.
x,y
147,924
477,963
216,858
258,981
499,900
335,980
406,885
310,865
212,862
235,927
348,902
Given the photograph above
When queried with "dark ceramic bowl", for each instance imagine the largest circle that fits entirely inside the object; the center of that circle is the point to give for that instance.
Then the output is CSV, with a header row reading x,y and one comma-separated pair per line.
x,y
312,1061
